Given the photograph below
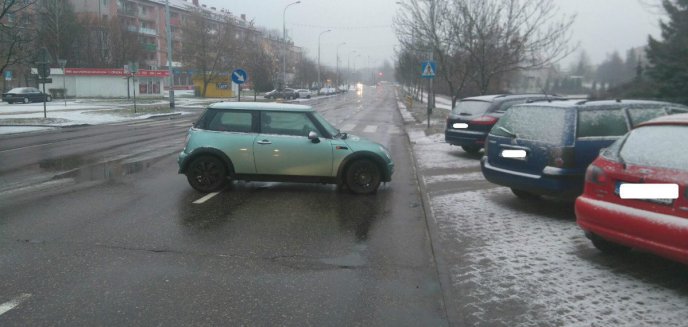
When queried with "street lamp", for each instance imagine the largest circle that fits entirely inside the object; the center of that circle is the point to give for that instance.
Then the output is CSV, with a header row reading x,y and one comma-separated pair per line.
x,y
348,70
339,45
284,39
320,81
169,51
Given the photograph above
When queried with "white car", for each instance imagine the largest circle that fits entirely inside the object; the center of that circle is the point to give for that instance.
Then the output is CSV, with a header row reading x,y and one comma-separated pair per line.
x,y
328,90
304,94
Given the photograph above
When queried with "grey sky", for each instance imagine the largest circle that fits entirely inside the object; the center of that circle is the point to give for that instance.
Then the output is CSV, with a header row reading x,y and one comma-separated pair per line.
x,y
602,26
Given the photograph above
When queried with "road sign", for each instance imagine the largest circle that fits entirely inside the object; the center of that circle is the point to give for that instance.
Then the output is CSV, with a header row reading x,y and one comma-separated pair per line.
x,y
8,75
43,70
45,80
239,76
428,69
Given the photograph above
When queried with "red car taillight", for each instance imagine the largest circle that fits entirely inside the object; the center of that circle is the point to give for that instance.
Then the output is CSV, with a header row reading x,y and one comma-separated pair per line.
x,y
484,120
595,175
561,157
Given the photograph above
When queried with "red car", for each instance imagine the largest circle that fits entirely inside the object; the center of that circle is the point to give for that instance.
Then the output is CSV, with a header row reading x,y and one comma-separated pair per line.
x,y
636,191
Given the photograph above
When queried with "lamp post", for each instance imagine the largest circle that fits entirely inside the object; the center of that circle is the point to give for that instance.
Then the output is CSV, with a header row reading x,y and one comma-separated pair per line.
x,y
348,70
339,45
284,38
169,51
319,80
63,64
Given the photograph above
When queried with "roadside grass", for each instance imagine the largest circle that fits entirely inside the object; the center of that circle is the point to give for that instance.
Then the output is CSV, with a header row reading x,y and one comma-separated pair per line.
x,y
438,118
32,121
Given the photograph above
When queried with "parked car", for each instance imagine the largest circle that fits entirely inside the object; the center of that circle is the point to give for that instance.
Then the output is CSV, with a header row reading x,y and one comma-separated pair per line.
x,y
615,218
286,93
472,118
303,93
25,95
278,142
544,148
328,91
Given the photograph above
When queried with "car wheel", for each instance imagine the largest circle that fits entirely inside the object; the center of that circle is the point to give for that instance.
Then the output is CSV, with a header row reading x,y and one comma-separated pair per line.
x,y
10,102
525,195
363,177
607,246
207,174
472,149
48,99
308,97
26,100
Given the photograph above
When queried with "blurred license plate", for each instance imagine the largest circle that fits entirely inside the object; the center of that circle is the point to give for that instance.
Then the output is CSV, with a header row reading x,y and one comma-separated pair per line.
x,y
657,193
514,154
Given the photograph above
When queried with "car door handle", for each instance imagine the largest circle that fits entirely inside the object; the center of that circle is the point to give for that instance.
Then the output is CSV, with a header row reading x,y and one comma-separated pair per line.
x,y
264,142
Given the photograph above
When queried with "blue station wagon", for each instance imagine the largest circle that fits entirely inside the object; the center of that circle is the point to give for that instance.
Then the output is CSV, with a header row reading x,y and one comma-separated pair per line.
x,y
544,148
278,142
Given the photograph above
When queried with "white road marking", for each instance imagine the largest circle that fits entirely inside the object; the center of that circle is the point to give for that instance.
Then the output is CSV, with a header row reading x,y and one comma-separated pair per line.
x,y
7,306
206,198
370,129
348,127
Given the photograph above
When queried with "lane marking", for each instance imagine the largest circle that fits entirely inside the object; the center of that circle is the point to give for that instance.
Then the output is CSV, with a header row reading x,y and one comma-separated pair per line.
x,y
370,129
7,306
206,198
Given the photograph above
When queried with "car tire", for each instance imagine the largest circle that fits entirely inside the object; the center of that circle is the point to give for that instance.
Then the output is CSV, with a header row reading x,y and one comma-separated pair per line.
x,y
206,174
308,97
48,98
525,195
363,177
608,247
472,149
26,100
10,102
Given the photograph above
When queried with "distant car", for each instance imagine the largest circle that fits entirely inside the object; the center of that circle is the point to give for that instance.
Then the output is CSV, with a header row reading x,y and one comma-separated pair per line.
x,y
328,91
472,118
286,93
303,93
544,148
278,142
25,95
648,158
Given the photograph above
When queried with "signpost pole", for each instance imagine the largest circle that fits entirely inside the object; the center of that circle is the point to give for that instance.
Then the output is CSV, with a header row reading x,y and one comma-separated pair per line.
x,y
63,64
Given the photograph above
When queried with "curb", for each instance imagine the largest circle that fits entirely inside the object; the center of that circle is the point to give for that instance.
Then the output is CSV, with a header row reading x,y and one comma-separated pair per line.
x,y
431,225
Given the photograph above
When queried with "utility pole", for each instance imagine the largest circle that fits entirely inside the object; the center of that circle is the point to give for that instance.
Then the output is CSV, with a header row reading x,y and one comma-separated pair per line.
x,y
319,80
169,51
284,38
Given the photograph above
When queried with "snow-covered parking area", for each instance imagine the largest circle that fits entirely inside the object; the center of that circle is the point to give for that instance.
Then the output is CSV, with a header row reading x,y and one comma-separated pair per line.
x,y
510,262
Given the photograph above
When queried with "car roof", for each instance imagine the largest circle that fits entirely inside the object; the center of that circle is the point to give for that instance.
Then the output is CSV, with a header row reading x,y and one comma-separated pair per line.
x,y
677,119
601,104
259,106
496,97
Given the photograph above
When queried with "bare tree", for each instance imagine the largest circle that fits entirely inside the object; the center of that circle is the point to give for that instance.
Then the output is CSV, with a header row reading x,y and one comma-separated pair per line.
x,y
210,45
58,27
15,32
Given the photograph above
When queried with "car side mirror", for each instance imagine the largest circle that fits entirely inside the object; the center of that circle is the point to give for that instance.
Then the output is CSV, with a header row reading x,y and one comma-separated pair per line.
x,y
313,136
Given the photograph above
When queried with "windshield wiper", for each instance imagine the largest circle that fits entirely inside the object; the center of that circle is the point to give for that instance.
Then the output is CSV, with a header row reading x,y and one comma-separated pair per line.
x,y
341,135
508,132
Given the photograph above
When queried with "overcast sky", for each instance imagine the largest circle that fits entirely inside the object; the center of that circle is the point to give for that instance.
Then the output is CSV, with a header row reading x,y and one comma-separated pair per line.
x,y
602,26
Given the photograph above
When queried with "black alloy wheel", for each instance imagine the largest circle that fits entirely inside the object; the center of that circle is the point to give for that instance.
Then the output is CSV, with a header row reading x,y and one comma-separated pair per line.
x,y
363,177
26,100
207,174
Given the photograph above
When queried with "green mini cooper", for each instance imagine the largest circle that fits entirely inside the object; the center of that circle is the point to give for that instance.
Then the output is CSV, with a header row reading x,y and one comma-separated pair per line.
x,y
278,142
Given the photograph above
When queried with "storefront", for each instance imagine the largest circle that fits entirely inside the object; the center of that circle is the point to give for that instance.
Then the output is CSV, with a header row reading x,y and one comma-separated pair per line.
x,y
108,82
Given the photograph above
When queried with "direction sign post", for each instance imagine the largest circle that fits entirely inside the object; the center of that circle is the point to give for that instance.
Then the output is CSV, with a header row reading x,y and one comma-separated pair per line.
x,y
239,76
428,70
43,61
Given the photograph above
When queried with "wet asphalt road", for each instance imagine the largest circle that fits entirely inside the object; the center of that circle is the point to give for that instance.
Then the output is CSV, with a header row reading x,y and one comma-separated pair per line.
x,y
115,239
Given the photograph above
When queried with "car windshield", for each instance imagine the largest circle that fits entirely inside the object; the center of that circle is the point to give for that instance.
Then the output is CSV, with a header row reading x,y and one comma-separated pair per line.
x,y
655,146
326,125
471,108
542,124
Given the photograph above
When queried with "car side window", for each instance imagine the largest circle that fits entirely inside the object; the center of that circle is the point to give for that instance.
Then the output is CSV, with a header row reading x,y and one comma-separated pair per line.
x,y
231,121
508,104
286,123
639,115
601,123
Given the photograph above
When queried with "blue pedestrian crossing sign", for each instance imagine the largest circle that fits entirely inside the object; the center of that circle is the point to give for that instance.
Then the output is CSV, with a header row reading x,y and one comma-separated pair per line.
x,y
428,69
239,76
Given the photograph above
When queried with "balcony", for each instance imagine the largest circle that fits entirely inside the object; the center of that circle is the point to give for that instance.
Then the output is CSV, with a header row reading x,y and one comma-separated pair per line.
x,y
150,47
148,31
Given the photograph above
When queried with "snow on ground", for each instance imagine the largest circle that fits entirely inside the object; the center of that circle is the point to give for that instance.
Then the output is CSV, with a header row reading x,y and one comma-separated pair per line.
x,y
532,268
433,152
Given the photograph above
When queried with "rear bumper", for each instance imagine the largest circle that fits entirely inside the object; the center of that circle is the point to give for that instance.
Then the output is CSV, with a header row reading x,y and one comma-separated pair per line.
x,y
552,181
464,137
664,235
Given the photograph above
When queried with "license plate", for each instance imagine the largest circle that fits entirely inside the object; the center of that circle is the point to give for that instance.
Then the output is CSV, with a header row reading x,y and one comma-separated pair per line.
x,y
514,154
460,125
661,193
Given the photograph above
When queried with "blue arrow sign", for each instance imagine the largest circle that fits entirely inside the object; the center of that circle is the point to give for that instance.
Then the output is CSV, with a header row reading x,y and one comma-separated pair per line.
x,y
239,76
428,69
